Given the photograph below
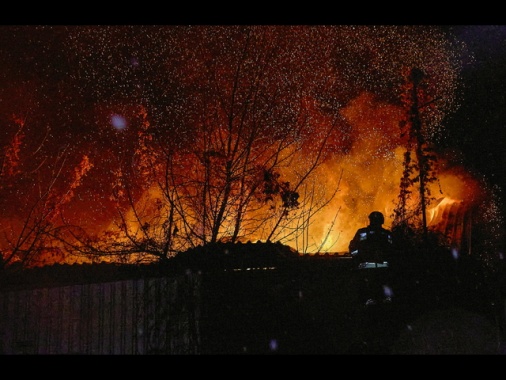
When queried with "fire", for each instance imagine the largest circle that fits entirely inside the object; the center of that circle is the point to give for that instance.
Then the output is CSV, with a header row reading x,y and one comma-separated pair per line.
x,y
371,170
360,173
355,179
202,116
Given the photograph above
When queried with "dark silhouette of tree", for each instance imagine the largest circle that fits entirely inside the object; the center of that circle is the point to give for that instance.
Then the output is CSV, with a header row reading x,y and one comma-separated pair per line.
x,y
30,236
230,163
419,170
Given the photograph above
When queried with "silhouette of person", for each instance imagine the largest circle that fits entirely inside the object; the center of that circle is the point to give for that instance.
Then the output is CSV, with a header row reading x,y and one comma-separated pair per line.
x,y
371,249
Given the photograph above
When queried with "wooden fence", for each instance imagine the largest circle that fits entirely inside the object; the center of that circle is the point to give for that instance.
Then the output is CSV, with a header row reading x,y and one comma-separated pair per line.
x,y
141,316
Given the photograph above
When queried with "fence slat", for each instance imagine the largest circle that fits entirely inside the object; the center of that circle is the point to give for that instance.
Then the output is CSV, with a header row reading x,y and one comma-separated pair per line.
x,y
138,316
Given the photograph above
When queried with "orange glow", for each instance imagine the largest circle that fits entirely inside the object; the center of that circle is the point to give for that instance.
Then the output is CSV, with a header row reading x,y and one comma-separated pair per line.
x,y
230,133
364,175
371,172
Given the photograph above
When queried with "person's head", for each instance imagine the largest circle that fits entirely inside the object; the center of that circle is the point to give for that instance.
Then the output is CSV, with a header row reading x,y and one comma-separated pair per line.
x,y
376,218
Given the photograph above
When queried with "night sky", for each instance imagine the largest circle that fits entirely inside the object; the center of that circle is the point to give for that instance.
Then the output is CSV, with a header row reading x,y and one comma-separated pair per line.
x,y
478,126
79,88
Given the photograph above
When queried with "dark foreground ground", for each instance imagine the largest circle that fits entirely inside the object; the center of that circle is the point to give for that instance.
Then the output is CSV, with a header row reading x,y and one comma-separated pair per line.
x,y
265,299
314,308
